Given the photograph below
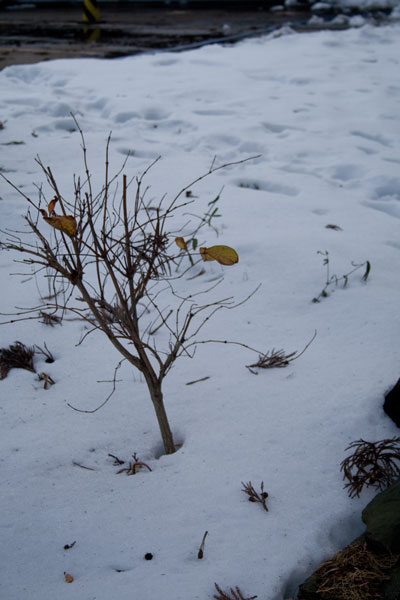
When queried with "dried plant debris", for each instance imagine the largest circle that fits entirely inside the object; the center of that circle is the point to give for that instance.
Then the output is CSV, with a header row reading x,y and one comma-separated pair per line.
x,y
372,464
16,356
233,594
274,359
334,280
334,227
46,352
133,466
255,496
200,553
49,319
69,546
354,573
277,359
48,381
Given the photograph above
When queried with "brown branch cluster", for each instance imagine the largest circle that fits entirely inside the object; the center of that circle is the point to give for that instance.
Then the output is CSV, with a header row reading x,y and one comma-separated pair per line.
x,y
254,496
372,464
277,359
233,594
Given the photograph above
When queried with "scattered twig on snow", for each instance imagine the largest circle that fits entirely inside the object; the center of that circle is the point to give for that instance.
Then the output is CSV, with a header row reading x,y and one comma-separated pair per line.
x,y
233,594
82,466
69,546
48,381
46,352
277,358
254,496
198,380
49,319
133,465
200,553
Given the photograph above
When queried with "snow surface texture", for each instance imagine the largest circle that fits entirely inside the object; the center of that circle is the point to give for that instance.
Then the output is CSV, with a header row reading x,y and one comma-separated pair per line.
x,y
323,110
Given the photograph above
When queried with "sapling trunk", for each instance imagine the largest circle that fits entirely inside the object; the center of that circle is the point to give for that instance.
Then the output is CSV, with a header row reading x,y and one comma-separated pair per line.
x,y
158,403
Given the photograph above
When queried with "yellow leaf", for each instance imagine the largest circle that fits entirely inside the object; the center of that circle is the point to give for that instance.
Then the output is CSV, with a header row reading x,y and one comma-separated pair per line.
x,y
204,254
224,255
68,578
180,242
65,223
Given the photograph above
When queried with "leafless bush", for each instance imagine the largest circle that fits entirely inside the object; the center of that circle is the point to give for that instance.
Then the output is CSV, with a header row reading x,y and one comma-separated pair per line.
x,y
115,256
372,464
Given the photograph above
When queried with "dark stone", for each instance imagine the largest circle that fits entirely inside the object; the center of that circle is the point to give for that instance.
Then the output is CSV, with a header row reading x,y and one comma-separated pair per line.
x,y
391,405
391,590
382,518
308,589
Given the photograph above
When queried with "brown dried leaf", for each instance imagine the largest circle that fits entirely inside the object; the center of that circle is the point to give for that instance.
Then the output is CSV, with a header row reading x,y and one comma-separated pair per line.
x,y
180,242
68,578
65,223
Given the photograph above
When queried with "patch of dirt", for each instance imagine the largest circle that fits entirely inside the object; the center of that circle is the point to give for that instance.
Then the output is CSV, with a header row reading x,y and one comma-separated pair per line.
x,y
43,33
32,33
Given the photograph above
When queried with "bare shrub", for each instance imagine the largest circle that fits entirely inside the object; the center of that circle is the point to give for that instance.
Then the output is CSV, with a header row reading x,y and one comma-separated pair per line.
x,y
116,257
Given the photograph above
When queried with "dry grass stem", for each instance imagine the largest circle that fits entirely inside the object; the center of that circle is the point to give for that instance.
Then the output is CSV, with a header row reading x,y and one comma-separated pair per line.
x,y
372,464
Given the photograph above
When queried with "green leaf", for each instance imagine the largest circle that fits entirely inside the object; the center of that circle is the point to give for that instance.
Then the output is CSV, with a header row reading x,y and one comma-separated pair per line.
x,y
367,270
194,243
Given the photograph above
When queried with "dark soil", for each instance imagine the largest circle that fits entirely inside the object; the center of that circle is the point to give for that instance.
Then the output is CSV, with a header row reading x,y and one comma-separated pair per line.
x,y
45,32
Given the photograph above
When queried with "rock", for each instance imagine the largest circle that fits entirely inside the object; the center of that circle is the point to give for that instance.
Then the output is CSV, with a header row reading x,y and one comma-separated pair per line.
x,y
391,591
391,405
382,518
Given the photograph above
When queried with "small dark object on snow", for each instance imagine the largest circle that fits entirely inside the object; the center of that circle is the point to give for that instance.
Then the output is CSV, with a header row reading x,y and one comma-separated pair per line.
x,y
69,546
148,556
391,405
16,356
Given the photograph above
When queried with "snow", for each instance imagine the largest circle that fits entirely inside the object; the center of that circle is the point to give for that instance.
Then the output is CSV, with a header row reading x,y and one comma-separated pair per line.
x,y
322,110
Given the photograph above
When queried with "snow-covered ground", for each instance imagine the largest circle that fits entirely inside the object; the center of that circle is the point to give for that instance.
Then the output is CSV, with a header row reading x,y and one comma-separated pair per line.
x,y
323,111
